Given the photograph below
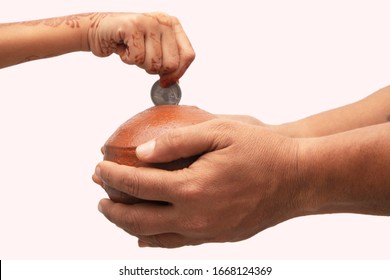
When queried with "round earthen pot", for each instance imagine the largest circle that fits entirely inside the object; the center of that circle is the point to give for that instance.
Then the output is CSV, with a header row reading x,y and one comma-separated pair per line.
x,y
145,126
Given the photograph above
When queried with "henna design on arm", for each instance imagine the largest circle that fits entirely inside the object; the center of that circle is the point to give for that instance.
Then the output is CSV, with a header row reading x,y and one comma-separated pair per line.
x,y
73,21
95,18
161,18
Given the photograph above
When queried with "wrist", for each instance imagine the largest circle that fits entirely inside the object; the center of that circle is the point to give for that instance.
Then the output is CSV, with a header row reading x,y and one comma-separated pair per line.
x,y
305,192
313,196
88,22
346,172
291,129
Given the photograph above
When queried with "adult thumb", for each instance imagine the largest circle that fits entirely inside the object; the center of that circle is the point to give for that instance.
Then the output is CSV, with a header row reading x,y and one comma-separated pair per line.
x,y
179,143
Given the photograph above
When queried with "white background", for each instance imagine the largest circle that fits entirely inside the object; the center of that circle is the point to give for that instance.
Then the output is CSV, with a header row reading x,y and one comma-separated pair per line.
x,y
276,60
281,269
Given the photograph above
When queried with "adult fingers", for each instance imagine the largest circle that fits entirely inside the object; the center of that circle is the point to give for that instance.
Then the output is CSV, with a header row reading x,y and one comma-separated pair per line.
x,y
185,142
144,183
97,180
168,240
141,219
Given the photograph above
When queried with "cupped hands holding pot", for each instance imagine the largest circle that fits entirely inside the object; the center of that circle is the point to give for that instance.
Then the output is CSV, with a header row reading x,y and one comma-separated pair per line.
x,y
227,194
251,176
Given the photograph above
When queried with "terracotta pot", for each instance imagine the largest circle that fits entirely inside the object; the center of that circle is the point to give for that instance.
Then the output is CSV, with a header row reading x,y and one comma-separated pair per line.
x,y
120,147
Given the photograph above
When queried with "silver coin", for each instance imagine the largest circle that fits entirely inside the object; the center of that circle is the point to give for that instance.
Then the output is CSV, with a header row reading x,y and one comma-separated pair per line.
x,y
165,96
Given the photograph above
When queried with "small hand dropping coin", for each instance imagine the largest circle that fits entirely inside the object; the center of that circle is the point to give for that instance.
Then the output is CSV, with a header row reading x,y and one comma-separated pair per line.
x,y
165,96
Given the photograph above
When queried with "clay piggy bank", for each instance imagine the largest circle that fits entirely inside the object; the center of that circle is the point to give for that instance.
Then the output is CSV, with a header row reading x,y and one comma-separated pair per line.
x,y
145,126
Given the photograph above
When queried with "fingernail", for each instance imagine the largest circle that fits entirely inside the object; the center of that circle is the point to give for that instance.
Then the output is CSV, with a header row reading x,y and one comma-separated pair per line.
x,y
146,150
100,208
143,244
97,171
164,84
167,82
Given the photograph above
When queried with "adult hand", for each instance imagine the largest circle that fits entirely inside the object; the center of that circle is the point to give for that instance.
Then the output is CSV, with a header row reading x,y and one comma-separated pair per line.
x,y
243,118
155,42
245,181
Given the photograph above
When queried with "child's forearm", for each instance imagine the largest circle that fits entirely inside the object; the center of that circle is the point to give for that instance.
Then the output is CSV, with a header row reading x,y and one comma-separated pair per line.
x,y
25,41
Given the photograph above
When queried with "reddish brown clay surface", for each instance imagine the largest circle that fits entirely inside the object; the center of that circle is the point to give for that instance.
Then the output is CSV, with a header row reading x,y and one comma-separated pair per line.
x,y
149,124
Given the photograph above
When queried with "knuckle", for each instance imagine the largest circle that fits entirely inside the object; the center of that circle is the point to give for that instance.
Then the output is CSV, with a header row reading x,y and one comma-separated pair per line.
x,y
164,19
196,224
223,132
139,58
169,240
106,175
133,225
153,66
188,56
173,139
190,191
155,19
131,183
151,71
193,192
175,20
170,65
222,126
